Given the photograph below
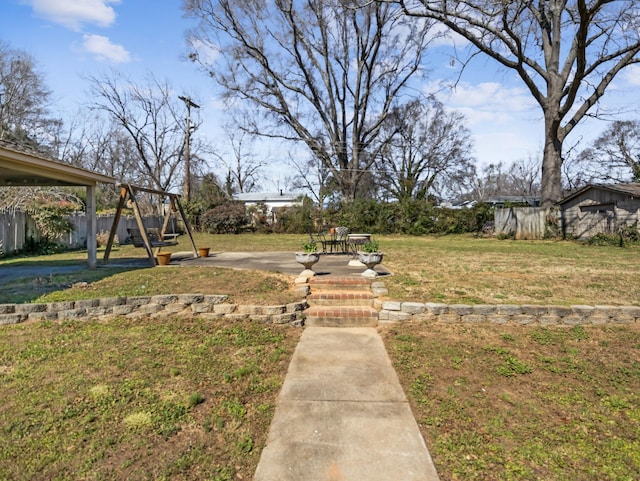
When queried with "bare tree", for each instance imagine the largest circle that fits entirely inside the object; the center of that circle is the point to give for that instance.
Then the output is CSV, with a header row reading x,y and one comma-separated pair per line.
x,y
25,119
23,197
615,154
490,182
101,145
312,175
322,72
567,52
429,149
520,178
524,177
151,116
24,100
243,165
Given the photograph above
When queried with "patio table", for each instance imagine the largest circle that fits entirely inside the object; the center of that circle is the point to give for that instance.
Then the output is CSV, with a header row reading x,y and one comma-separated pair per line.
x,y
356,240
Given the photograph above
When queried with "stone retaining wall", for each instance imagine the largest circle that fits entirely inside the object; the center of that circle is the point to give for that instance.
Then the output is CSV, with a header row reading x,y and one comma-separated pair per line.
x,y
180,305
215,306
393,311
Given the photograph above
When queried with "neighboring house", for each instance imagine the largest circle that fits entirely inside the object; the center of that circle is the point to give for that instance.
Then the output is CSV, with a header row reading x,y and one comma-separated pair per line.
x,y
514,201
272,201
600,208
498,202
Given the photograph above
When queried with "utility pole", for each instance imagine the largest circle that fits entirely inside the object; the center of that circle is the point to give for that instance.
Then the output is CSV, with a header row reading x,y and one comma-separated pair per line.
x,y
1,113
187,147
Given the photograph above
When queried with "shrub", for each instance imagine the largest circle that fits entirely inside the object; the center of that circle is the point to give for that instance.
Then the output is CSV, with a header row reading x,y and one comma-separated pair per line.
x,y
413,217
296,219
227,218
261,218
362,215
193,211
309,247
51,220
604,239
370,247
40,247
627,234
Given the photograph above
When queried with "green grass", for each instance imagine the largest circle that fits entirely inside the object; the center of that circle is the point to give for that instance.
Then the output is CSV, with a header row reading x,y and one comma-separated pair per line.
x,y
449,269
468,270
140,399
188,399
241,286
524,403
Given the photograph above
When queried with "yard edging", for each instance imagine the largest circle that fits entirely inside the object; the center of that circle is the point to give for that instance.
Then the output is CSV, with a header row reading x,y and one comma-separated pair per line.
x,y
396,311
179,305
215,307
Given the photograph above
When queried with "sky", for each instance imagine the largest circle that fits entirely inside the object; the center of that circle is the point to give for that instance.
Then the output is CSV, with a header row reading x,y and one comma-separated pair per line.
x,y
70,39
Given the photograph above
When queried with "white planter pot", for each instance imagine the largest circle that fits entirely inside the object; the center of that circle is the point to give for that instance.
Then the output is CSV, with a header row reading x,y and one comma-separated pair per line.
x,y
370,259
307,259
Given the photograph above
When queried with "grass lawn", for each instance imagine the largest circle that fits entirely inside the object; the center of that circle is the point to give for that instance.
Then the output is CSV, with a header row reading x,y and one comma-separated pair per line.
x,y
467,270
191,399
241,286
143,400
449,269
506,402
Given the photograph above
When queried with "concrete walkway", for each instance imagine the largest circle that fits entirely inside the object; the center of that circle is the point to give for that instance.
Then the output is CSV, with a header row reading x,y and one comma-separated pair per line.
x,y
342,415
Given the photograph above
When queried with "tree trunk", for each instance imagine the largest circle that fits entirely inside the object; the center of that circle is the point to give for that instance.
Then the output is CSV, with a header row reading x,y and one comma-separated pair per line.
x,y
551,182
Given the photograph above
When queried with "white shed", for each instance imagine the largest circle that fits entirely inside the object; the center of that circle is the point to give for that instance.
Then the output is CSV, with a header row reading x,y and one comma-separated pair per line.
x,y
273,201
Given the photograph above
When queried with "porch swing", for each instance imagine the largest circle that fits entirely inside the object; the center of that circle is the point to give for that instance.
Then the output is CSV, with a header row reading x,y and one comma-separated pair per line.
x,y
149,238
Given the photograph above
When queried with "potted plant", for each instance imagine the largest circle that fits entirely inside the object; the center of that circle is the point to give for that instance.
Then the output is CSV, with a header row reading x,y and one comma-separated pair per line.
x,y
308,257
370,256
164,258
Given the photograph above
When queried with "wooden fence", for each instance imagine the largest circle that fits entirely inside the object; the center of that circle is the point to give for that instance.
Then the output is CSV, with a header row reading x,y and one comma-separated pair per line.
x,y
17,226
521,222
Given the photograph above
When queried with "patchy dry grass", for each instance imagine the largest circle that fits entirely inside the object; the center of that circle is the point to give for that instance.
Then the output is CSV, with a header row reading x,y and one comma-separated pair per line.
x,y
242,287
138,399
468,270
450,269
247,287
505,402
191,399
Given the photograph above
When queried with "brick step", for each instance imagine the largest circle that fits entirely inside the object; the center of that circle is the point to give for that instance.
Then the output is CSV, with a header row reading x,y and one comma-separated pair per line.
x,y
341,316
339,283
341,298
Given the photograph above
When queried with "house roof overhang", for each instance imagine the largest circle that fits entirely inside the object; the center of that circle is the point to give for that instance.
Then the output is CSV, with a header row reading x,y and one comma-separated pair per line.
x,y
629,189
22,168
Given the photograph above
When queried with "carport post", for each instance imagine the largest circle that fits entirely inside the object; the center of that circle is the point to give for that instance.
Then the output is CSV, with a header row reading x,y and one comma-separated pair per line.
x,y
92,227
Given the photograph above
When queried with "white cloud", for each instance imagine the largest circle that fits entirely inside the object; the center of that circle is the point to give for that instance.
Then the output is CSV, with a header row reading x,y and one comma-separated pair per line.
x,y
75,13
632,75
508,146
493,101
207,53
505,121
102,48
